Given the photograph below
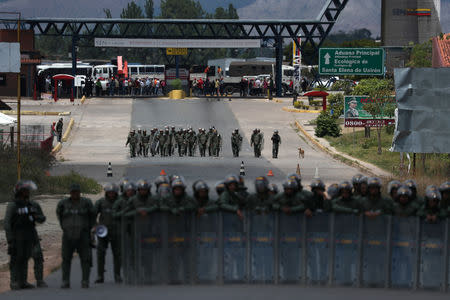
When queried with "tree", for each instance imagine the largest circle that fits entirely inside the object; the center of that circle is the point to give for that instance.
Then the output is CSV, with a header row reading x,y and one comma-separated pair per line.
x,y
382,103
149,9
181,9
421,55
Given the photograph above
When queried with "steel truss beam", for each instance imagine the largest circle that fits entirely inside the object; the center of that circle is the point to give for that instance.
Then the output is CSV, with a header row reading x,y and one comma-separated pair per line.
x,y
312,32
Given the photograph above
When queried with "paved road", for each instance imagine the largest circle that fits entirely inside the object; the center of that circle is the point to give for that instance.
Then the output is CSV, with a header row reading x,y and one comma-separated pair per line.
x,y
99,138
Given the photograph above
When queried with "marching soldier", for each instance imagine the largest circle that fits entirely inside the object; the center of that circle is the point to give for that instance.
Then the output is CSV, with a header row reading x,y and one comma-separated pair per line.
x,y
217,143
154,141
104,210
172,141
236,142
257,141
21,236
202,139
192,141
139,142
76,216
161,142
145,141
210,135
132,141
276,141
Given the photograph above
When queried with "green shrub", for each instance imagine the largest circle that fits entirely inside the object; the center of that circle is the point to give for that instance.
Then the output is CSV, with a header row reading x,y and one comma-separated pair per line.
x,y
343,85
327,126
298,104
336,103
176,84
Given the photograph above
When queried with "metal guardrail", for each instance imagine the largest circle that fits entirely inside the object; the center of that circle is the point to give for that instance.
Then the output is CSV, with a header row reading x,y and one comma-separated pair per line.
x,y
327,249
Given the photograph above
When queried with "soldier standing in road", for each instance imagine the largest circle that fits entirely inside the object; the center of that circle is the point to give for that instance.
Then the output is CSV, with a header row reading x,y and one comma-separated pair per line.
x,y
153,141
210,146
201,196
162,141
104,210
236,142
257,141
216,143
21,235
276,141
59,129
202,139
172,141
132,141
139,142
76,216
145,140
179,201
179,142
192,141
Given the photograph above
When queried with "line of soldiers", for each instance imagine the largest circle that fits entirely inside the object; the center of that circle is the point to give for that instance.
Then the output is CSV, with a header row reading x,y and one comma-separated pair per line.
x,y
168,141
79,217
185,141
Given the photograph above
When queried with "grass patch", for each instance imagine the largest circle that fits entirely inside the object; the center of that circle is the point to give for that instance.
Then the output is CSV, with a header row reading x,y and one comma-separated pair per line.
x,y
34,164
437,166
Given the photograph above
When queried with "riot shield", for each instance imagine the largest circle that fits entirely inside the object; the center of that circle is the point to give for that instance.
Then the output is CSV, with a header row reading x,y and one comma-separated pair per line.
x,y
290,248
431,255
374,249
403,257
149,252
127,249
261,247
317,248
207,248
179,257
346,249
234,249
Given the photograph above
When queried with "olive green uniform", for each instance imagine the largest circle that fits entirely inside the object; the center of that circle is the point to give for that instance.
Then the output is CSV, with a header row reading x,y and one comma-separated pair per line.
x,y
236,143
348,205
22,239
406,210
232,201
378,203
260,202
294,202
76,220
178,205
104,209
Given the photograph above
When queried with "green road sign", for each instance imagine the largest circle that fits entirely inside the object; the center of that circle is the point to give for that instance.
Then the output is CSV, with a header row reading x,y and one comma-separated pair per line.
x,y
351,61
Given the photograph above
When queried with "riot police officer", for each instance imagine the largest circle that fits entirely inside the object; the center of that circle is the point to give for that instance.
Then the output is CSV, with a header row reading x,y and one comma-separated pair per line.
x,y
104,210
76,217
21,236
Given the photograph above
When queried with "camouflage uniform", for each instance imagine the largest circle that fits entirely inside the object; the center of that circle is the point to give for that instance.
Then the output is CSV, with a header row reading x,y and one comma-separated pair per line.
x,y
145,141
202,139
132,141
236,142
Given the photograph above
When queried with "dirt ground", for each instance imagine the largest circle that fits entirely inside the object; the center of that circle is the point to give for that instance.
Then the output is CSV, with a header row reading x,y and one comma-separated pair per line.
x,y
49,233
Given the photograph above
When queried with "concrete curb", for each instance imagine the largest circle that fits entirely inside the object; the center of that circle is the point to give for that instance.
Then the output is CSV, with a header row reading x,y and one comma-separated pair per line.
x,y
36,113
277,100
347,159
296,110
57,148
68,130
83,99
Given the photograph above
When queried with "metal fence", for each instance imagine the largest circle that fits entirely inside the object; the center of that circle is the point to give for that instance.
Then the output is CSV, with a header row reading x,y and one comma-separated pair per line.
x,y
327,249
30,135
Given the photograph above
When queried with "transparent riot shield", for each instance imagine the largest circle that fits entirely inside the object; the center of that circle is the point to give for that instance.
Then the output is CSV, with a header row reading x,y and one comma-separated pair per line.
x,y
317,248
432,249
404,251
234,248
179,250
261,247
207,247
127,249
374,247
290,248
346,229
149,252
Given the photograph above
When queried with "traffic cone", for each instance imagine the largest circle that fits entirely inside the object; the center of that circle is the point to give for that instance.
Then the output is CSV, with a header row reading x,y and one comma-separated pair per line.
x,y
242,170
298,172
162,173
270,173
109,173
316,174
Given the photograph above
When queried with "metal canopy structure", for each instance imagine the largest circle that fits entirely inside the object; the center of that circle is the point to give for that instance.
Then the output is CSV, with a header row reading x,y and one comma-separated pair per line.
x,y
312,32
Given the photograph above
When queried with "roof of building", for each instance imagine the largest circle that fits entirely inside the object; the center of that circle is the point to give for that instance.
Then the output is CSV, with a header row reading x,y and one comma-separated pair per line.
x,y
442,50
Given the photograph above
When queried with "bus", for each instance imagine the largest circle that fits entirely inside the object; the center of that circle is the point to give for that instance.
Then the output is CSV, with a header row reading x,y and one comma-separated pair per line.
x,y
142,71
49,70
